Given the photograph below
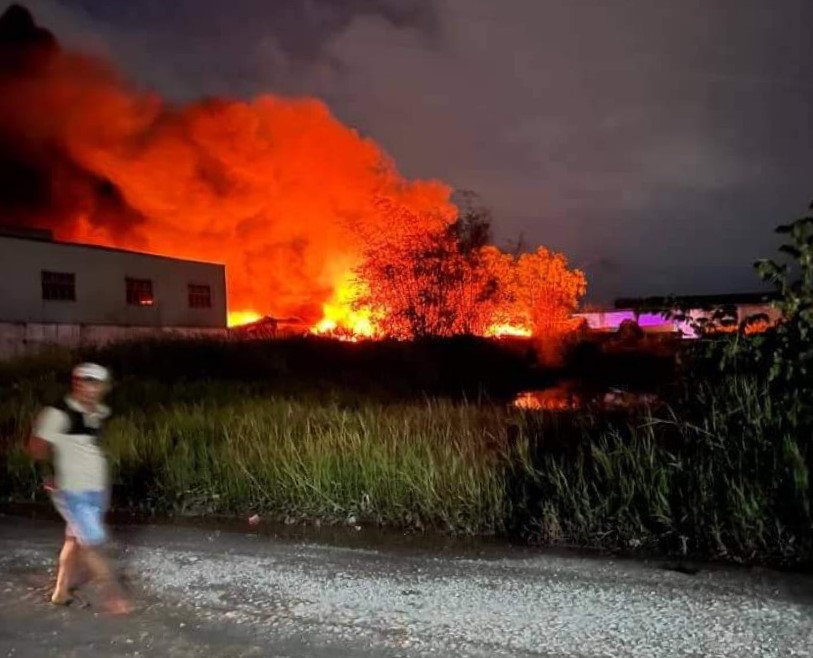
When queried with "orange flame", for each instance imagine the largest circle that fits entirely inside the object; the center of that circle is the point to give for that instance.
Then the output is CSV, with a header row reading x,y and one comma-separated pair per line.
x,y
239,318
340,319
504,330
277,189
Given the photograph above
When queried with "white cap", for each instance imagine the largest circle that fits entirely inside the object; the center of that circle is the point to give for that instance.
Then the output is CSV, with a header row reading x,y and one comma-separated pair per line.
x,y
91,371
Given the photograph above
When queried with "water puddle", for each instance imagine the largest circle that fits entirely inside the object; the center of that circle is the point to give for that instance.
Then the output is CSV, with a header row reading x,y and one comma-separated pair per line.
x,y
565,398
556,398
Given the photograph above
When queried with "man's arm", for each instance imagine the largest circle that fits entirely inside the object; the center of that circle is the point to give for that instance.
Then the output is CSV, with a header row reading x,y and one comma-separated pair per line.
x,y
41,452
49,425
39,449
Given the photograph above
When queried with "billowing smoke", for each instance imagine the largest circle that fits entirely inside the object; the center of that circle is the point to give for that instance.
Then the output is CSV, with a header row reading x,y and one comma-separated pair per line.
x,y
276,188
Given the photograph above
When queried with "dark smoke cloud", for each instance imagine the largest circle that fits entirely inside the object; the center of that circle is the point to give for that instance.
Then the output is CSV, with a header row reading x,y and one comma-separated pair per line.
x,y
668,137
192,48
40,184
277,188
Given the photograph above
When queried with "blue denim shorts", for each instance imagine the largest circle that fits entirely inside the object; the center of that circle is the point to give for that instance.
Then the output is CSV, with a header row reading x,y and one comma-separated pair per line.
x,y
83,512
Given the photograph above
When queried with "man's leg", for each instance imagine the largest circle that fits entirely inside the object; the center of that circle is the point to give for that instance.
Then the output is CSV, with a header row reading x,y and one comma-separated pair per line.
x,y
69,554
97,563
68,557
101,569
94,536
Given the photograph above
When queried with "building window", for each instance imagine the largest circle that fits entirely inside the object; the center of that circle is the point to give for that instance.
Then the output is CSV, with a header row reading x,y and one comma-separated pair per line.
x,y
59,286
200,296
139,292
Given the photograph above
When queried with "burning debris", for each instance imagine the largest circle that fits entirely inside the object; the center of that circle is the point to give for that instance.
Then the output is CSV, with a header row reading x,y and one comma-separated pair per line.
x,y
269,328
312,221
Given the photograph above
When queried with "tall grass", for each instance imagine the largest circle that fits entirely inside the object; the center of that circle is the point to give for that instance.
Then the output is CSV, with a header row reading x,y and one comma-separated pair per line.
x,y
436,464
726,477
721,473
400,465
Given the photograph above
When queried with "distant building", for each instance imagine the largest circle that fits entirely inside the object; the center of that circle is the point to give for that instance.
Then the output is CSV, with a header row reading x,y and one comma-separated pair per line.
x,y
678,314
72,294
610,320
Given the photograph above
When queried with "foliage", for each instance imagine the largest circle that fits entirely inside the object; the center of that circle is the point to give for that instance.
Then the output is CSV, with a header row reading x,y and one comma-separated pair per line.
x,y
791,348
549,289
781,352
452,281
302,429
721,474
427,283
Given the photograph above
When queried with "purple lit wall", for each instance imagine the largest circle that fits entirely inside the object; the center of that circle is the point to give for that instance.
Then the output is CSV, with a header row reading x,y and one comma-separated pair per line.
x,y
653,322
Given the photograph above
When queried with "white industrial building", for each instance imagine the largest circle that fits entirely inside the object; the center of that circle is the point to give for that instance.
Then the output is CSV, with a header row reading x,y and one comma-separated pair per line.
x,y
58,293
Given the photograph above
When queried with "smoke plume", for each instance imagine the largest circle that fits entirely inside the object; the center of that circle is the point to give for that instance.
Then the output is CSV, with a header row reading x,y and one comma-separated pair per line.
x,y
276,188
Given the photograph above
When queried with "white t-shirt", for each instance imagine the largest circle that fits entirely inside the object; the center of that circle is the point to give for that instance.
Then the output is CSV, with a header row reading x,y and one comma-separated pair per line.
x,y
79,462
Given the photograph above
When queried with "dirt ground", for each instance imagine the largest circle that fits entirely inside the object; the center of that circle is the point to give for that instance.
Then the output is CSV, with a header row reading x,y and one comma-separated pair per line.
x,y
228,594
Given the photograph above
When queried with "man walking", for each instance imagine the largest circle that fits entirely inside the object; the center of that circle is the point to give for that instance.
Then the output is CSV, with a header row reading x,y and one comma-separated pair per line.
x,y
68,434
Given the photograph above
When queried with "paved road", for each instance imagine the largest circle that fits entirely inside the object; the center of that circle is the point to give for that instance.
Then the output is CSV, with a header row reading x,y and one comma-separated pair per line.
x,y
214,594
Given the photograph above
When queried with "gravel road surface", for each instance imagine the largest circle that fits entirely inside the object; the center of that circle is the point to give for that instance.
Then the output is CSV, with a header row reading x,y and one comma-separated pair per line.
x,y
226,594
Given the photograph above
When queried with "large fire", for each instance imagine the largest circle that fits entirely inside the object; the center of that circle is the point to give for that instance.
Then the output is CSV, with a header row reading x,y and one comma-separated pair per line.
x,y
499,330
338,315
277,189
240,318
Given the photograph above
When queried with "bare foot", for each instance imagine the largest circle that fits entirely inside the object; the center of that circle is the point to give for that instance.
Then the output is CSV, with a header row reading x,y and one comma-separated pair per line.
x,y
61,599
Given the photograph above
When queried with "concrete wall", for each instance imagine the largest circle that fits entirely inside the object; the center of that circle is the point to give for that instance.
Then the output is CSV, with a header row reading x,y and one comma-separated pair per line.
x,y
27,338
100,287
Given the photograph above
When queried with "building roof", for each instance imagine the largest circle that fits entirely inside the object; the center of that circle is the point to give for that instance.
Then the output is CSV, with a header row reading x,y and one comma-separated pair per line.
x,y
695,301
26,233
46,235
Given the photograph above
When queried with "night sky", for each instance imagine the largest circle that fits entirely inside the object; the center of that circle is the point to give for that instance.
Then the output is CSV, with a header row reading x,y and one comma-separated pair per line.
x,y
656,142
